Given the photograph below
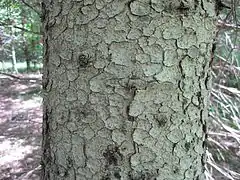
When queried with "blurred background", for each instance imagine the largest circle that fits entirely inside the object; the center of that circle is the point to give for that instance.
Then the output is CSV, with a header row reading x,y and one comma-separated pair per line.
x,y
224,111
21,47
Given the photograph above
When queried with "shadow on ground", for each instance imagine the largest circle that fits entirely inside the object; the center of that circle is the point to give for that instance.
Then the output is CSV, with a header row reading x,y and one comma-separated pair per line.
x,y
20,128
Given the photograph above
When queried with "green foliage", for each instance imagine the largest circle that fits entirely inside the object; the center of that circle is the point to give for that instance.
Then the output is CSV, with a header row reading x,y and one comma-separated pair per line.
x,y
26,23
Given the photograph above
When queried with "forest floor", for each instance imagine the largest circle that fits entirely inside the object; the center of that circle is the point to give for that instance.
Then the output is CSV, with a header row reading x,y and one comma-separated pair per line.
x,y
20,127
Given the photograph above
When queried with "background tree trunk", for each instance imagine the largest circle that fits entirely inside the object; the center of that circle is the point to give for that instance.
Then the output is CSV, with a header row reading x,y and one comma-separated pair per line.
x,y
25,42
14,60
126,89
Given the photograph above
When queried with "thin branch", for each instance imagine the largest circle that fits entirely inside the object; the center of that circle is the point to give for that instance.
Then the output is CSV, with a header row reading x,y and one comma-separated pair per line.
x,y
10,75
17,27
36,11
28,174
223,24
20,78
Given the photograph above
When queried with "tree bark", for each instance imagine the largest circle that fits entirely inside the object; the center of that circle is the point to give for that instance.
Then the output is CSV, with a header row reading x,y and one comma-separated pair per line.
x,y
126,89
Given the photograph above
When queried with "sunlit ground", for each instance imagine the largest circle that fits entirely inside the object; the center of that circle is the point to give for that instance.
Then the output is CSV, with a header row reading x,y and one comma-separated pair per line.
x,y
20,128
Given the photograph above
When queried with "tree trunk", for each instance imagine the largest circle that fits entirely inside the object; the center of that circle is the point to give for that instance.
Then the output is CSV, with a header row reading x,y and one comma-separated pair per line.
x,y
25,42
126,89
27,57
3,68
14,60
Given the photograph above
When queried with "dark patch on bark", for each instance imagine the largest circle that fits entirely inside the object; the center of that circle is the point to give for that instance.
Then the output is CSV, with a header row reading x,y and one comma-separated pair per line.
x,y
175,170
206,81
143,175
69,162
132,91
204,127
106,177
184,102
187,146
196,4
112,173
214,46
161,120
45,80
112,156
117,175
202,6
130,118
181,69
83,113
219,6
64,173
43,14
183,9
173,148
83,60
